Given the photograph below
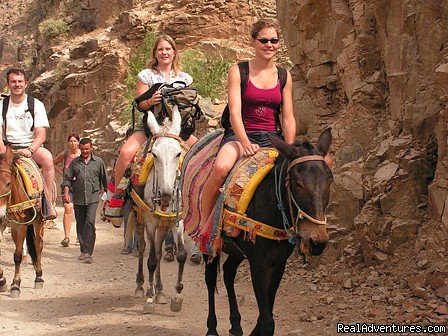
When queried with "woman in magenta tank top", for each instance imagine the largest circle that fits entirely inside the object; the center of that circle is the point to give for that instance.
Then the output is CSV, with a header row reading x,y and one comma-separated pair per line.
x,y
252,114
65,157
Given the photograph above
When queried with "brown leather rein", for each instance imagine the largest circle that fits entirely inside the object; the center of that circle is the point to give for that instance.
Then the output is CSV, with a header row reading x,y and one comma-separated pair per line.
x,y
300,213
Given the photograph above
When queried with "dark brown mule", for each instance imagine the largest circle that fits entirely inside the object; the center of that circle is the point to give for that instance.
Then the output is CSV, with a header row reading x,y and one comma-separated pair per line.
x,y
28,223
299,183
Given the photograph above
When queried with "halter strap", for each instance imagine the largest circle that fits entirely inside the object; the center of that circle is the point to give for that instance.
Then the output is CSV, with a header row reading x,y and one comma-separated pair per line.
x,y
291,200
305,159
167,135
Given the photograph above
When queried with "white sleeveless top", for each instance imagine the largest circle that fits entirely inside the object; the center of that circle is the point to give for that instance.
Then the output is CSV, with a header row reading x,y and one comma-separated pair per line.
x,y
149,77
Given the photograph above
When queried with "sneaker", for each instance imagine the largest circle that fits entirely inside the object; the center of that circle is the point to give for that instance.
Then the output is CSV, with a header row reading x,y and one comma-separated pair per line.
x,y
77,242
113,207
196,258
65,242
83,256
88,260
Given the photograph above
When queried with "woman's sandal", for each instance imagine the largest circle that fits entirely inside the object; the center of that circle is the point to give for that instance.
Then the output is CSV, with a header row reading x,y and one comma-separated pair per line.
x,y
65,242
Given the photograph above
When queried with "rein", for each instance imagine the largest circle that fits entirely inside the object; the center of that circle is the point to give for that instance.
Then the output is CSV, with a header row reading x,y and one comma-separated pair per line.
x,y
176,196
291,200
302,214
29,203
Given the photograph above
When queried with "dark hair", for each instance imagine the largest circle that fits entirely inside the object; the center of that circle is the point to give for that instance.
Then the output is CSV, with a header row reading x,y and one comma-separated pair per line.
x,y
85,141
16,71
261,24
73,135
153,63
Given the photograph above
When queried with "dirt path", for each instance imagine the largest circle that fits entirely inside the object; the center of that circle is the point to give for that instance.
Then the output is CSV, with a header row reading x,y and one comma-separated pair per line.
x,y
97,299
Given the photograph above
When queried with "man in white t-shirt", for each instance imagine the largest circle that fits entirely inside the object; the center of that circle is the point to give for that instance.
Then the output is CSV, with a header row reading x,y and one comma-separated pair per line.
x,y
19,130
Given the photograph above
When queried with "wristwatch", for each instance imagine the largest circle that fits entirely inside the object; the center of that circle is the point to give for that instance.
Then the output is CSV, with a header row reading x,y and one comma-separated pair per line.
x,y
31,150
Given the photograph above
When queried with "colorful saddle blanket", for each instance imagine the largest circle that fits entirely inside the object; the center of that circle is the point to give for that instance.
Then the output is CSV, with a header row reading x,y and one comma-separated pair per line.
x,y
31,176
33,183
238,189
141,166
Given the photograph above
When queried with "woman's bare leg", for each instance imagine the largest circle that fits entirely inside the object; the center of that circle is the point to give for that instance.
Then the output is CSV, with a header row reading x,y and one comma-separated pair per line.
x,y
67,219
127,152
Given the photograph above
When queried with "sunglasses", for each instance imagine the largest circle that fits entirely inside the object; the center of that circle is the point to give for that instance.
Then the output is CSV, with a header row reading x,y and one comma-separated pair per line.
x,y
265,40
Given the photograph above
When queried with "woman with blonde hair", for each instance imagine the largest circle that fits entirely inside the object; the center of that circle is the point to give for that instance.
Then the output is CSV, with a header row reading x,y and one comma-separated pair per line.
x,y
163,67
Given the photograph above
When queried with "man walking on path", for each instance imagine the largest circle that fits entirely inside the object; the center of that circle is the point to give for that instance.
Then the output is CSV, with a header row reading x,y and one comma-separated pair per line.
x,y
86,177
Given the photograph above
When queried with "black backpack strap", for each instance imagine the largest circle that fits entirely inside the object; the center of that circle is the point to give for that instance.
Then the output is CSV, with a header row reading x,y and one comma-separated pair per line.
x,y
244,75
30,101
282,76
4,110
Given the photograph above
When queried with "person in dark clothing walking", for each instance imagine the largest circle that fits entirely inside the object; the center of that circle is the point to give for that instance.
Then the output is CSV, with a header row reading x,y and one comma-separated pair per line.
x,y
86,178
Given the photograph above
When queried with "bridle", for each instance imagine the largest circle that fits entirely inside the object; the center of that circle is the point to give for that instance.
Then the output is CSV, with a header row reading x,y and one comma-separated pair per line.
x,y
291,199
176,196
8,171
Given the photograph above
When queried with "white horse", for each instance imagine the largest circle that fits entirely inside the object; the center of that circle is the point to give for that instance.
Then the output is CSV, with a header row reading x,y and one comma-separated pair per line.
x,y
161,195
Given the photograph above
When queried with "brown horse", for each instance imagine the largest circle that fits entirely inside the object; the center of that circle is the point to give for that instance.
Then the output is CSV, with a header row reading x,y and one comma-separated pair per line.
x,y
27,223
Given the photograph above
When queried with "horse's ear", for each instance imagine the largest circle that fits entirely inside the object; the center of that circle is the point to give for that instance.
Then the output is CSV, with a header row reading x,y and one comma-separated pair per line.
x,y
286,149
152,123
324,142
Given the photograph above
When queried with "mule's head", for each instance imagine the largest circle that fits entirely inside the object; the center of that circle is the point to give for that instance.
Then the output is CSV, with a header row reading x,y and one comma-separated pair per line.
x,y
309,179
166,150
5,181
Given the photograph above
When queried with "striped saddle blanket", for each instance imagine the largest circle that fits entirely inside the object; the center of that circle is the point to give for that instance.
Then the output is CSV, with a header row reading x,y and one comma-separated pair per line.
x,y
237,192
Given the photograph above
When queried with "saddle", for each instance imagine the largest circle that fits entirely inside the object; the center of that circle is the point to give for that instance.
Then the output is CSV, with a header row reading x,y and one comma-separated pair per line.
x,y
228,215
33,183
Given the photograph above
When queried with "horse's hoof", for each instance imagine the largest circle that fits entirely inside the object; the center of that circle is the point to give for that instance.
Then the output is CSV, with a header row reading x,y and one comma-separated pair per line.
x,y
214,333
235,333
176,303
149,307
15,293
139,292
38,285
160,298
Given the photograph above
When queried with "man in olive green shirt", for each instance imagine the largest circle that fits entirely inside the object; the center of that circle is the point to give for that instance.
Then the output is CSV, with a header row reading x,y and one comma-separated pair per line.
x,y
86,179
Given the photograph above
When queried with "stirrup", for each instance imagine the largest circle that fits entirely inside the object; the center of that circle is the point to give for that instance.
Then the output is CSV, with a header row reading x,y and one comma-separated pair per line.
x,y
113,215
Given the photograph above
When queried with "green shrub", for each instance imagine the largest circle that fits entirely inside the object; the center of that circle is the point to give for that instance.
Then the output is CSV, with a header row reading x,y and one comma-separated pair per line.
x,y
209,72
137,63
53,27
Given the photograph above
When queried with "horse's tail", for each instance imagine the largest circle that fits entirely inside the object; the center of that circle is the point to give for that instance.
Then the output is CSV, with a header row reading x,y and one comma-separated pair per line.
x,y
30,235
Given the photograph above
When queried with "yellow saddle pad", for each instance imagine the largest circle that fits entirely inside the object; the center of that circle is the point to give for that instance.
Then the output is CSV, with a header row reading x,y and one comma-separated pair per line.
x,y
241,185
31,176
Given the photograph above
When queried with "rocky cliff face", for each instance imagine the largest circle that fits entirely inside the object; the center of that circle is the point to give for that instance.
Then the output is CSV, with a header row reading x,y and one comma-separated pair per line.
x,y
80,77
377,73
